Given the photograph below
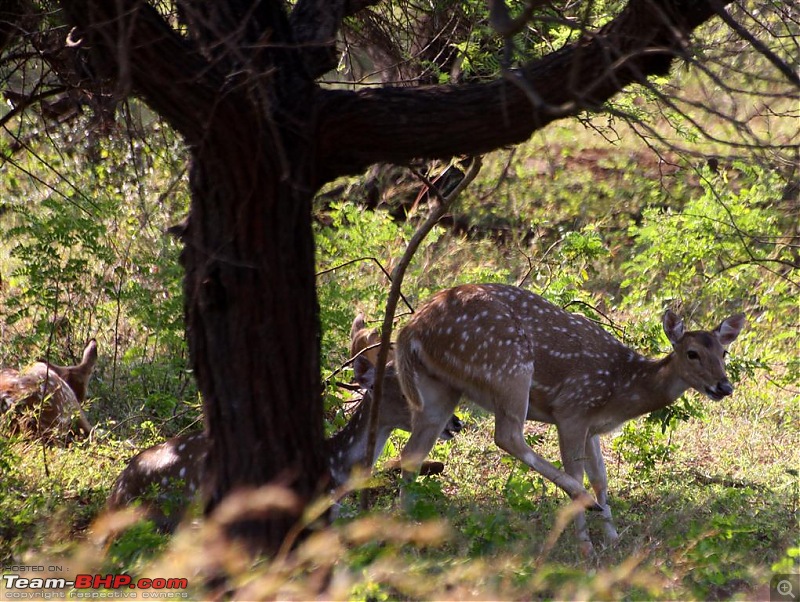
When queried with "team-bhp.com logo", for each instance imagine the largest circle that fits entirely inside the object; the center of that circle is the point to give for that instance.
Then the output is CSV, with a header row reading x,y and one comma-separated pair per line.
x,y
18,587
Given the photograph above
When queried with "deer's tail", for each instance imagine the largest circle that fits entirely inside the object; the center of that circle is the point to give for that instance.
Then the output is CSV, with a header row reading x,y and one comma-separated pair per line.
x,y
408,364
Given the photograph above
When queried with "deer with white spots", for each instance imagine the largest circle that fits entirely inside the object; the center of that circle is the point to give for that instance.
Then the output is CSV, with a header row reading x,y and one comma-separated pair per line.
x,y
166,477
523,358
44,400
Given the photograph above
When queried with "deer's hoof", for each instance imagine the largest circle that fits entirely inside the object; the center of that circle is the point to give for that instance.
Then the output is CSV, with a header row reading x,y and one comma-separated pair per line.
x,y
587,549
588,502
429,467
611,537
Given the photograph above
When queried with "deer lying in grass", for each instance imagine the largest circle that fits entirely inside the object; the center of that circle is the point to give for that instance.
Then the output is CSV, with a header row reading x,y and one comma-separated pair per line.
x,y
523,358
166,477
44,400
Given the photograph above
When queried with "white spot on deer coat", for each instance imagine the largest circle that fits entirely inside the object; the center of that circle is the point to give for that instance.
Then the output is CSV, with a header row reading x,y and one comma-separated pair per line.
x,y
159,458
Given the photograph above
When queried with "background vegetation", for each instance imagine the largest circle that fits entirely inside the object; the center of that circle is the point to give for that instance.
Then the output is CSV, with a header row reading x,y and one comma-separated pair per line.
x,y
600,220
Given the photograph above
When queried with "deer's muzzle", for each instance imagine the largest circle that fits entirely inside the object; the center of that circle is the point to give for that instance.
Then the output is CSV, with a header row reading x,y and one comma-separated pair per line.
x,y
722,389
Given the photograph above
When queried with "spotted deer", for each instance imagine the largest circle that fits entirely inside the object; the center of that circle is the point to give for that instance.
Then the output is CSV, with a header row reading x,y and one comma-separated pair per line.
x,y
44,400
166,477
523,358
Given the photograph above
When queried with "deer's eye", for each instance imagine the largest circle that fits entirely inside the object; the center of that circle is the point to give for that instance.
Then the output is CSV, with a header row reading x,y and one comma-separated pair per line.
x,y
692,354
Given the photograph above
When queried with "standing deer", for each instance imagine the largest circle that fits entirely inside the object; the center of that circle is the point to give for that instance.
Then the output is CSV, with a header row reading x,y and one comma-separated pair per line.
x,y
167,476
523,358
44,400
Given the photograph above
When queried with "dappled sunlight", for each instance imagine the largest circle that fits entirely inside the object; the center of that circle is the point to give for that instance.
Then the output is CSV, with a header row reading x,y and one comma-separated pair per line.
x,y
678,193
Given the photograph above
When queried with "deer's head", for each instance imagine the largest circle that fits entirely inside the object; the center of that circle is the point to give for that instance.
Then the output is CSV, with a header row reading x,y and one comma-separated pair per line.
x,y
700,355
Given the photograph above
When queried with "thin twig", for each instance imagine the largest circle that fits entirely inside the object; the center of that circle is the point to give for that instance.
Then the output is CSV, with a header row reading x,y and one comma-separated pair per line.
x,y
368,258
438,209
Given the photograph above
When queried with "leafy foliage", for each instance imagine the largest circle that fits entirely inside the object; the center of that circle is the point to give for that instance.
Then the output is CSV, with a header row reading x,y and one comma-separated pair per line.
x,y
85,265
720,246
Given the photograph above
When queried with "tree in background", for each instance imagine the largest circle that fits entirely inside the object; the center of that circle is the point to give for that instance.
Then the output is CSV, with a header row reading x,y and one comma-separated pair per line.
x,y
244,84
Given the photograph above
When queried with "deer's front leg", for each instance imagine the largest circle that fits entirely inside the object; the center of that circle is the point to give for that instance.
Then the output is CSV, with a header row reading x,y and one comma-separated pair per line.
x,y
596,471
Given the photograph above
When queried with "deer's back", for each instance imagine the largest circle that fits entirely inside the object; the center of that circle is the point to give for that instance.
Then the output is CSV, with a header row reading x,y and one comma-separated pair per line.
x,y
478,337
163,477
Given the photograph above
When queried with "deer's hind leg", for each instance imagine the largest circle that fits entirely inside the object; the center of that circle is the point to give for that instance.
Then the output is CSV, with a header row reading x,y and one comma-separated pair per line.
x,y
510,407
596,471
438,401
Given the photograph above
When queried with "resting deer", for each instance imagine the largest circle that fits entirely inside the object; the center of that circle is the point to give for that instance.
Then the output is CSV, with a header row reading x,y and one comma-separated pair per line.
x,y
166,477
44,400
523,358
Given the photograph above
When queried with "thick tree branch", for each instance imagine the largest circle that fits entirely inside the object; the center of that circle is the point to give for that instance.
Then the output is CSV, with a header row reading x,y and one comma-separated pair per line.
x,y
315,24
249,38
129,41
394,125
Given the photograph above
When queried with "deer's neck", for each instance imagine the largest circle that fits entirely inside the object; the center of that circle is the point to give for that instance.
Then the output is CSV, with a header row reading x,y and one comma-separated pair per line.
x,y
655,384
348,447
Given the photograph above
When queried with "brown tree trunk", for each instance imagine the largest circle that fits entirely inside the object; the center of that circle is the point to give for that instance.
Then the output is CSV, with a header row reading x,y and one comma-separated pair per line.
x,y
252,319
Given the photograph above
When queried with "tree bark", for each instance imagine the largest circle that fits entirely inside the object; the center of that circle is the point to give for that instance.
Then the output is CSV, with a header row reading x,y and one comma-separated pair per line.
x,y
252,318
253,325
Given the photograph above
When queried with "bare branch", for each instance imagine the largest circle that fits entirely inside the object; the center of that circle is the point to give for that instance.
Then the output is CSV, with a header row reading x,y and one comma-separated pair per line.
x,y
437,211
503,23
131,51
786,70
358,260
355,6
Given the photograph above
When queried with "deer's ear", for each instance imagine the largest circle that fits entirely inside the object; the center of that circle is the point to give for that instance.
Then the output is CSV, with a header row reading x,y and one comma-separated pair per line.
x,y
673,326
365,372
359,324
89,355
730,328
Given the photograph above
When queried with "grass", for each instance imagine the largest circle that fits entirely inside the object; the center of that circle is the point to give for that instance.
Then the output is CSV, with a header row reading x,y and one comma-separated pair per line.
x,y
707,522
